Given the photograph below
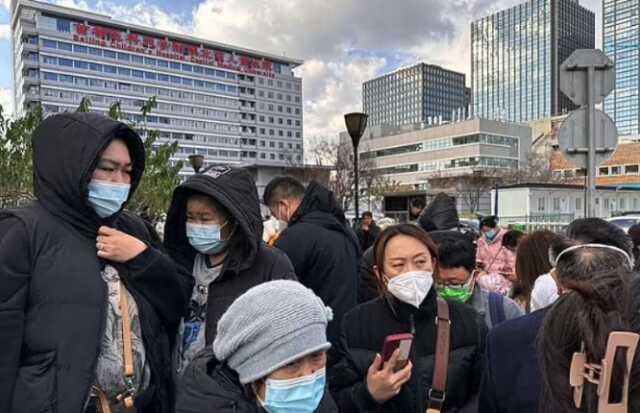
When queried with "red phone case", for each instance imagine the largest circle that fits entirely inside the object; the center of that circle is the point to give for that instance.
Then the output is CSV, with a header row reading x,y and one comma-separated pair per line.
x,y
391,343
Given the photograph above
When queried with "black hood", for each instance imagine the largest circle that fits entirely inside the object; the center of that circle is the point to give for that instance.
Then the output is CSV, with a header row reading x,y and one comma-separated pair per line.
x,y
317,198
320,207
440,214
233,188
66,150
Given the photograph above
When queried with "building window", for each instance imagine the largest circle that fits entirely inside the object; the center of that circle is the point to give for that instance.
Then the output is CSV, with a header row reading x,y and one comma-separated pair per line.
x,y
541,202
578,205
623,204
631,169
556,204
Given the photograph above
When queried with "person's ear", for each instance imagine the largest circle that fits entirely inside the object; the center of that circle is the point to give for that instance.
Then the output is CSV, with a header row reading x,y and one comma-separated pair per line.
x,y
554,275
376,272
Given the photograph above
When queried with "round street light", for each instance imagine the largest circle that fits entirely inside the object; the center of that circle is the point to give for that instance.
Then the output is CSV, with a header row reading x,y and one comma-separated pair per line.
x,y
356,124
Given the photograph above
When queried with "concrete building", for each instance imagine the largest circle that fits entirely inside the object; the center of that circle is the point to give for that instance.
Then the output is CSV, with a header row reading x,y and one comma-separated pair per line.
x,y
413,158
230,104
558,204
621,37
421,93
516,54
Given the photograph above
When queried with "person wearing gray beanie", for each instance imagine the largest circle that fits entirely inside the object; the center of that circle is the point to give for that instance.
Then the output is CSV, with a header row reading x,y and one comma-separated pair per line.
x,y
269,355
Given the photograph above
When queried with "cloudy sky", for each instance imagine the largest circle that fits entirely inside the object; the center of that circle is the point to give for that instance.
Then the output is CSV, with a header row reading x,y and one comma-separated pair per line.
x,y
343,42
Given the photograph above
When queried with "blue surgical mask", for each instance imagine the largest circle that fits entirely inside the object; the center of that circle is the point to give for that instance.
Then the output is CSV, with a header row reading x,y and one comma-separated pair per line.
x,y
206,238
107,198
491,234
299,395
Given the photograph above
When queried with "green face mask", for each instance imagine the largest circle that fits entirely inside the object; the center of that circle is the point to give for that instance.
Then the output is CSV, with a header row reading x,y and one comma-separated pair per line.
x,y
461,293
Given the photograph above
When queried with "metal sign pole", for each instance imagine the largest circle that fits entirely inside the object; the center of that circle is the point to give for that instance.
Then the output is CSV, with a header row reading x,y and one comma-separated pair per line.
x,y
591,173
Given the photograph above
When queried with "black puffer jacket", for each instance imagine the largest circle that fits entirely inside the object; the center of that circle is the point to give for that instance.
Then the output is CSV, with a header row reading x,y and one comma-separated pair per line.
x,y
249,261
53,300
363,332
325,252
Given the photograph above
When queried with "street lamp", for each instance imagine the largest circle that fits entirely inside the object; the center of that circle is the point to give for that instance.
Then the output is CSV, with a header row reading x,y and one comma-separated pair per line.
x,y
356,124
196,162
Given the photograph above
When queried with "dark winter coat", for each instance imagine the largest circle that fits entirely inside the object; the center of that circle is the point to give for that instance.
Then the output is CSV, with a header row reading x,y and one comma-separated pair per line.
x,y
363,332
53,300
511,380
368,286
440,214
211,387
325,252
249,261
367,238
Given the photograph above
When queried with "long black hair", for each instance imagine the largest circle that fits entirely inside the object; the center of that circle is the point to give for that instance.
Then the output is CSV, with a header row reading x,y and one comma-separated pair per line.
x,y
595,301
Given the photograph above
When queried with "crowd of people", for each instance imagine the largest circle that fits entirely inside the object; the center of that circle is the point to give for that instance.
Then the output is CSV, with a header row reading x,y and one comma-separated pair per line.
x,y
226,313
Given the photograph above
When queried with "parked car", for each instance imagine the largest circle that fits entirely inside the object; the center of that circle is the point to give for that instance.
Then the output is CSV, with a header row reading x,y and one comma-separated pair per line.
x,y
625,221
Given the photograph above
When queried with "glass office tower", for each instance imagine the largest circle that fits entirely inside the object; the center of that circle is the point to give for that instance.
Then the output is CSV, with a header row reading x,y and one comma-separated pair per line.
x,y
417,94
516,54
621,42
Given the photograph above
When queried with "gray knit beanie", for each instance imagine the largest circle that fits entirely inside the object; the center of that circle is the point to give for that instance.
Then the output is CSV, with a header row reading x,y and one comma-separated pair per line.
x,y
270,326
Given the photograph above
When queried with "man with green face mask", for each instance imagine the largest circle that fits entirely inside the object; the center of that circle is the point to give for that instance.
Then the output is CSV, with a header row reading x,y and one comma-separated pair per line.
x,y
456,278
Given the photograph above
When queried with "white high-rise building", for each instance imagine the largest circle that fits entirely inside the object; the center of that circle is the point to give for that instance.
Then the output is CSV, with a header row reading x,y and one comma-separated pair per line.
x,y
231,105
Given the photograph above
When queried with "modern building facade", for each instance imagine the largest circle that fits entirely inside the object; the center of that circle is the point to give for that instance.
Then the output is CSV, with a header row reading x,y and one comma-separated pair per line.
x,y
411,156
516,55
229,104
418,94
621,42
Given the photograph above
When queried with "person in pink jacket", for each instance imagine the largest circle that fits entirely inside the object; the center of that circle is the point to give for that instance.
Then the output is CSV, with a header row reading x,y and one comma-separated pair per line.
x,y
495,259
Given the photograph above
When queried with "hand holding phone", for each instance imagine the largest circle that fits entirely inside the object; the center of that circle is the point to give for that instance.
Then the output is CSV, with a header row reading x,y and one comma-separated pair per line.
x,y
383,383
403,343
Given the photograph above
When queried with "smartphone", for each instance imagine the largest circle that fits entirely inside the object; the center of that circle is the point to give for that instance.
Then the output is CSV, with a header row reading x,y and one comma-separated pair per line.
x,y
397,341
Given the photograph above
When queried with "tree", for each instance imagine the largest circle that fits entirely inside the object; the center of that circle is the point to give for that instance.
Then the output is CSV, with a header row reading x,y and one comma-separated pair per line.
x,y
339,156
85,105
16,170
535,168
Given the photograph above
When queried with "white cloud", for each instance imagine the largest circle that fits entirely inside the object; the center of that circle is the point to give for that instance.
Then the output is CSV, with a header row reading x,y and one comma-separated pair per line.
x,y
5,32
144,14
6,4
75,4
6,101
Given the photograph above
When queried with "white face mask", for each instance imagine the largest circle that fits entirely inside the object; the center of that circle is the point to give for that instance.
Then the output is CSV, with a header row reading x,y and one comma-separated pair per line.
x,y
411,287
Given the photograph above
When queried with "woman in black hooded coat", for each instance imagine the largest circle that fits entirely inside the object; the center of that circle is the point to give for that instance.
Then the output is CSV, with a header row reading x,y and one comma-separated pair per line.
x,y
59,259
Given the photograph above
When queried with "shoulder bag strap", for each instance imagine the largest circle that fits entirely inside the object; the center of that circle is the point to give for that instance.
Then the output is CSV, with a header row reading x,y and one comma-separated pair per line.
x,y
127,344
437,393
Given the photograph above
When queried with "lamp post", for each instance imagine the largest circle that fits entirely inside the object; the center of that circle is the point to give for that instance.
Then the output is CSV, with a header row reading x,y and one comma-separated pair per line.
x,y
356,124
196,162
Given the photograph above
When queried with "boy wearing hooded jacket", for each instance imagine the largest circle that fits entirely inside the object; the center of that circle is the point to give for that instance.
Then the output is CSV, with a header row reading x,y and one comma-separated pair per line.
x,y
214,229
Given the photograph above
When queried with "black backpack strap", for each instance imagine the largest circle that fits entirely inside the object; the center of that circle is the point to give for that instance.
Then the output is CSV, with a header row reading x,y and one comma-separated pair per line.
x,y
496,308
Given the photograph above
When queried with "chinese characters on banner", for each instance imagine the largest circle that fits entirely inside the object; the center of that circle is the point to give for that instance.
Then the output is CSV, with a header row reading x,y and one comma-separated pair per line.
x,y
108,37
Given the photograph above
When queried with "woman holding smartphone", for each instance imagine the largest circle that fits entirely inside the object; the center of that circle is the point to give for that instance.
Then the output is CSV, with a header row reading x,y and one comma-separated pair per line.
x,y
405,259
